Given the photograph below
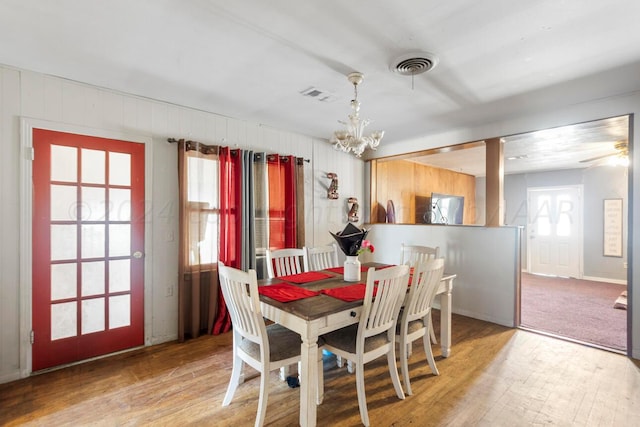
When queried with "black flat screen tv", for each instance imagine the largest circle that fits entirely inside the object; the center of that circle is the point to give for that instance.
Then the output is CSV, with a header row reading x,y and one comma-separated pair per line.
x,y
446,209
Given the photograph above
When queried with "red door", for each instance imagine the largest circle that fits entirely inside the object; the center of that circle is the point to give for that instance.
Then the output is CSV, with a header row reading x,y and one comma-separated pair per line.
x,y
88,243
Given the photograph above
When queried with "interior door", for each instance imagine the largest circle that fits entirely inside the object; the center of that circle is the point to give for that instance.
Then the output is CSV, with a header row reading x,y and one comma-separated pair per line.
x,y
88,242
555,231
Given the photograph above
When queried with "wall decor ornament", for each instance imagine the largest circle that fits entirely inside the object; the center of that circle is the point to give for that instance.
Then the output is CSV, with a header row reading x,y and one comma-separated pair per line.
x,y
352,216
333,187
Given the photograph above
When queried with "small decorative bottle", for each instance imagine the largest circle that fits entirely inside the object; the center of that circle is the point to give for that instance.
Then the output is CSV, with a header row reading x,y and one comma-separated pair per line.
x,y
352,269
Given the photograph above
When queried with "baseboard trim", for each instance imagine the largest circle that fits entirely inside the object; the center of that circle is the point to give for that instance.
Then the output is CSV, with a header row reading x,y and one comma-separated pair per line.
x,y
596,279
603,279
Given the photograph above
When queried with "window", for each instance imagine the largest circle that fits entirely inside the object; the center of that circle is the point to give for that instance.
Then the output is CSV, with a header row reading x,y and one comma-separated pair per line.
x,y
203,209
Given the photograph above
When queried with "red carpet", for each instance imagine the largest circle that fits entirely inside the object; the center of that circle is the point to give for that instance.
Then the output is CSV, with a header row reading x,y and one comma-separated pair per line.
x,y
577,309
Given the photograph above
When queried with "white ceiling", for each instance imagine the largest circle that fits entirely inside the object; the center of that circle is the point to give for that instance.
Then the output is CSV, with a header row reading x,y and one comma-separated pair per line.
x,y
580,145
251,59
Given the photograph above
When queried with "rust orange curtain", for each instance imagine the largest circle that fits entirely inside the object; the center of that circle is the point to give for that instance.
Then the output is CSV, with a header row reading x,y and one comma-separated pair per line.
x,y
283,201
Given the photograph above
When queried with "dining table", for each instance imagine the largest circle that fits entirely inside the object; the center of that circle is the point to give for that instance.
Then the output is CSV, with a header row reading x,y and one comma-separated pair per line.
x,y
314,303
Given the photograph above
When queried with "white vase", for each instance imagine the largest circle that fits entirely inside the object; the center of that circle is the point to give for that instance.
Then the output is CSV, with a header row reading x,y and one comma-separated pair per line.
x,y
352,269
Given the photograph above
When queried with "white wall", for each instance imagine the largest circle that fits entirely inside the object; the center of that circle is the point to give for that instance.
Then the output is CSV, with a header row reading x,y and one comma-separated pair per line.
x,y
483,259
614,105
70,104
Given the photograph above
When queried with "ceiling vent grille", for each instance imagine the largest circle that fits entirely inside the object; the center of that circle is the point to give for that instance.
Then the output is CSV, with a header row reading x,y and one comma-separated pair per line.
x,y
413,63
318,94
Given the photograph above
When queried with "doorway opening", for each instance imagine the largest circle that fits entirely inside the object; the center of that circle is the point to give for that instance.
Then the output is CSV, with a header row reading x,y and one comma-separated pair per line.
x,y
573,285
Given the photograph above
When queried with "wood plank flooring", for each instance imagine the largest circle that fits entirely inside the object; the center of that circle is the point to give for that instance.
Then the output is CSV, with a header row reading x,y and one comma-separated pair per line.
x,y
496,376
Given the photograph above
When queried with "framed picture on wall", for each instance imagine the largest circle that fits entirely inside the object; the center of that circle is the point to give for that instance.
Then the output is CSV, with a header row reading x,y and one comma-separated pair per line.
x,y
612,242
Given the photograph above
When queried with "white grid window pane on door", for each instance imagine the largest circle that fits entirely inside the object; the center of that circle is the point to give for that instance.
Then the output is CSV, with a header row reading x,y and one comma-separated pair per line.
x,y
64,203
119,311
119,169
63,242
93,238
64,279
93,315
63,320
93,204
93,278
119,239
64,163
93,167
119,204
120,275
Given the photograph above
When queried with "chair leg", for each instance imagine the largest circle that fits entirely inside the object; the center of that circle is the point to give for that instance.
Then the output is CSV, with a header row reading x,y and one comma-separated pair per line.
x,y
362,398
284,372
320,392
393,371
264,396
350,366
404,366
234,381
432,333
427,349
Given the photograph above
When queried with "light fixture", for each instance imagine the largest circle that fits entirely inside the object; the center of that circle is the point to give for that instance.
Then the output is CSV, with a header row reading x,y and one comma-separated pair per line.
x,y
352,139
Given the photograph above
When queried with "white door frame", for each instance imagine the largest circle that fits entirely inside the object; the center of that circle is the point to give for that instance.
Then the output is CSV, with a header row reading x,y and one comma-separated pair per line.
x,y
26,215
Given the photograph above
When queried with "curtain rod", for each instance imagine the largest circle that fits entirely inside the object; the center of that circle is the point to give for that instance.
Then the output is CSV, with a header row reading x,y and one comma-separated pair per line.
x,y
214,148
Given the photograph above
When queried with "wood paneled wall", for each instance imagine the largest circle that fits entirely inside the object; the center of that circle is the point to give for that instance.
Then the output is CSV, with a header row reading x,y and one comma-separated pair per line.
x,y
409,185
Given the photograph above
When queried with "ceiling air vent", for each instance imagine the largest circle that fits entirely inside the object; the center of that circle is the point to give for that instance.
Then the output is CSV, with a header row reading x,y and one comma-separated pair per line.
x,y
318,94
414,63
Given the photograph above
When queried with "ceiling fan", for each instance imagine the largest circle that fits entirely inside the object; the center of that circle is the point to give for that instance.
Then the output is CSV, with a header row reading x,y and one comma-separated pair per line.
x,y
622,151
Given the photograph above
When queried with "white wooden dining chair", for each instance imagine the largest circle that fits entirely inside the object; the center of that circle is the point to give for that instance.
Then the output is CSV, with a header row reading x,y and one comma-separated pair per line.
x,y
264,348
374,335
322,257
415,315
411,255
283,262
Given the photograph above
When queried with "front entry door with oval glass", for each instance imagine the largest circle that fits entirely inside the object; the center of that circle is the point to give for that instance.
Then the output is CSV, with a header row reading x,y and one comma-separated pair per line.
x,y
88,238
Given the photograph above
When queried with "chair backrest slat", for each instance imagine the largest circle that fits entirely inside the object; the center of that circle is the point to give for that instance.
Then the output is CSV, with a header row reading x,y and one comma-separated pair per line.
x,y
413,254
424,285
322,257
240,291
283,262
379,313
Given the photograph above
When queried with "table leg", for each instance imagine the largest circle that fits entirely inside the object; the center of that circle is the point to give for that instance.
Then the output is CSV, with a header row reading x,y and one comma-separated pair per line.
x,y
445,322
309,380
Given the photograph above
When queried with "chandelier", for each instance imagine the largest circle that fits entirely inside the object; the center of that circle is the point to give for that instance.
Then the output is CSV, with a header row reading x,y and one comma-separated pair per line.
x,y
352,139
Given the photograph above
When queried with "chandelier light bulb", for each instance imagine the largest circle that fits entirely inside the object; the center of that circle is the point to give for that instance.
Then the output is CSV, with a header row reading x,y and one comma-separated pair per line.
x,y
352,139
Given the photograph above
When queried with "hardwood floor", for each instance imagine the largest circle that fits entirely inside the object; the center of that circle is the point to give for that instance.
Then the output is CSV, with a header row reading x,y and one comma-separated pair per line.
x,y
496,376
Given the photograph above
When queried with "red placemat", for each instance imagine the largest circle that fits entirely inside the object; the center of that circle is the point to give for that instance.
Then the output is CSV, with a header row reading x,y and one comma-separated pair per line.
x,y
284,292
309,276
340,270
348,293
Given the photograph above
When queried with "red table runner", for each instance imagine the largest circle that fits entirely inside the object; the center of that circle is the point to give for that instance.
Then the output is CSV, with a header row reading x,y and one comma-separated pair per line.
x,y
348,293
340,270
285,292
309,276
